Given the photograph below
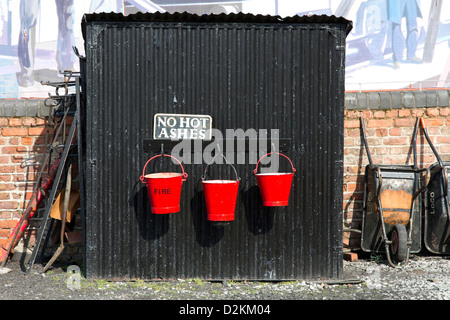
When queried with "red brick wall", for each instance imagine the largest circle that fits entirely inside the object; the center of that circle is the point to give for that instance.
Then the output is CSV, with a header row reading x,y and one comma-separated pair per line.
x,y
22,141
389,133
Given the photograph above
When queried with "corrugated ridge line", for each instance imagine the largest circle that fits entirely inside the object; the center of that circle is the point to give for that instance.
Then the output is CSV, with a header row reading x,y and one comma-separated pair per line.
x,y
339,125
310,161
113,125
135,144
110,122
104,166
279,93
119,156
333,139
143,250
303,144
298,145
176,248
271,107
242,81
325,184
323,211
102,244
94,151
323,123
337,235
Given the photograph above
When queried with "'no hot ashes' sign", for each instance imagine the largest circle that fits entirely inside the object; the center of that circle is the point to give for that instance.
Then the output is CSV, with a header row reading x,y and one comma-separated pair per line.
x,y
181,126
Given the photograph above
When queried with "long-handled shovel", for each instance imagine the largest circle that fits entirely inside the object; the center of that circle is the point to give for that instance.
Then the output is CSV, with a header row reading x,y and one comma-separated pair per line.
x,y
63,219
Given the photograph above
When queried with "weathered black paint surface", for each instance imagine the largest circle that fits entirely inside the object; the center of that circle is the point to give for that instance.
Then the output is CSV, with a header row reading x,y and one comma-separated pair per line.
x,y
245,71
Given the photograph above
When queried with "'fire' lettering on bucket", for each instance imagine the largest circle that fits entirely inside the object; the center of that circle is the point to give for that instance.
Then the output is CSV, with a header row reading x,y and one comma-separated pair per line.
x,y
161,191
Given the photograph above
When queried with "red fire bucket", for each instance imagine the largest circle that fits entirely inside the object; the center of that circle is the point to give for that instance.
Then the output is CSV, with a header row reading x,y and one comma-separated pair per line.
x,y
220,197
164,188
274,187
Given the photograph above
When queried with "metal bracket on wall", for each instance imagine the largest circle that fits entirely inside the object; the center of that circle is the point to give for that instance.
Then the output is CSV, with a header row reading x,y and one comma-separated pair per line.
x,y
161,146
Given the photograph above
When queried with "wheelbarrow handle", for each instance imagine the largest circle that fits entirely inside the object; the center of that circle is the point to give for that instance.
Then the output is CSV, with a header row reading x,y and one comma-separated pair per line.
x,y
257,164
185,175
427,137
441,164
363,133
380,180
445,178
422,123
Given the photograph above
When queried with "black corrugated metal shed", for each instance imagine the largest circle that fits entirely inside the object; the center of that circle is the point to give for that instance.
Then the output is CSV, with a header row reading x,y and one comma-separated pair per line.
x,y
245,71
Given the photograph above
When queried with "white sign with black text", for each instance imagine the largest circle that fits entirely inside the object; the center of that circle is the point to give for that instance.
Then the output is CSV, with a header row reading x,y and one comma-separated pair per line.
x,y
182,126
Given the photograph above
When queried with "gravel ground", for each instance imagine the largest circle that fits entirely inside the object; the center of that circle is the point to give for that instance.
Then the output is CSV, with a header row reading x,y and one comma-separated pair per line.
x,y
423,278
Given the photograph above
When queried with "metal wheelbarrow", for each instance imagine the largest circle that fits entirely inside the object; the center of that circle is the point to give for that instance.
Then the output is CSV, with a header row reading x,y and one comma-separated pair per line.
x,y
392,207
437,216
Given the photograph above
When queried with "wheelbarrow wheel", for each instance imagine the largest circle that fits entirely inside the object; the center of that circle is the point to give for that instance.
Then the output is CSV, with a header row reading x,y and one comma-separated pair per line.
x,y
398,246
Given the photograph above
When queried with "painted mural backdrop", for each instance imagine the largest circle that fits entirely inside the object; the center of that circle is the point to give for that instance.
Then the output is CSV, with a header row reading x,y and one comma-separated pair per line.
x,y
394,44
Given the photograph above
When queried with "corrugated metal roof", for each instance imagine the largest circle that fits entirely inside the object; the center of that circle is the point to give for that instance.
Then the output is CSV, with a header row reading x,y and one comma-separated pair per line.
x,y
212,18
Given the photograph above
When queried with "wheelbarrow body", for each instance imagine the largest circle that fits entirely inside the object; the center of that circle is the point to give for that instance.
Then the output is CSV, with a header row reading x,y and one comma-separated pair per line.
x,y
437,216
399,205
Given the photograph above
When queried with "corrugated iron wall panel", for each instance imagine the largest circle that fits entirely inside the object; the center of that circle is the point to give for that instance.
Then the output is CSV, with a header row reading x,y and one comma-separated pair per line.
x,y
286,76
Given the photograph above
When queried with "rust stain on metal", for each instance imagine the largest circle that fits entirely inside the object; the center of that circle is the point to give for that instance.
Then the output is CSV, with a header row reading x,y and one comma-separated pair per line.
x,y
396,206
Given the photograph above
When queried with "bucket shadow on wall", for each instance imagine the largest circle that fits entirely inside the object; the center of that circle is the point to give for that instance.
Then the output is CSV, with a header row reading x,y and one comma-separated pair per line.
x,y
207,233
259,217
151,226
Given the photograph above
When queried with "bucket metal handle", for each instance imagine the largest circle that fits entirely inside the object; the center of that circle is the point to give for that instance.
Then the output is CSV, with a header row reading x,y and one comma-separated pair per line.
x,y
256,169
226,161
185,175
